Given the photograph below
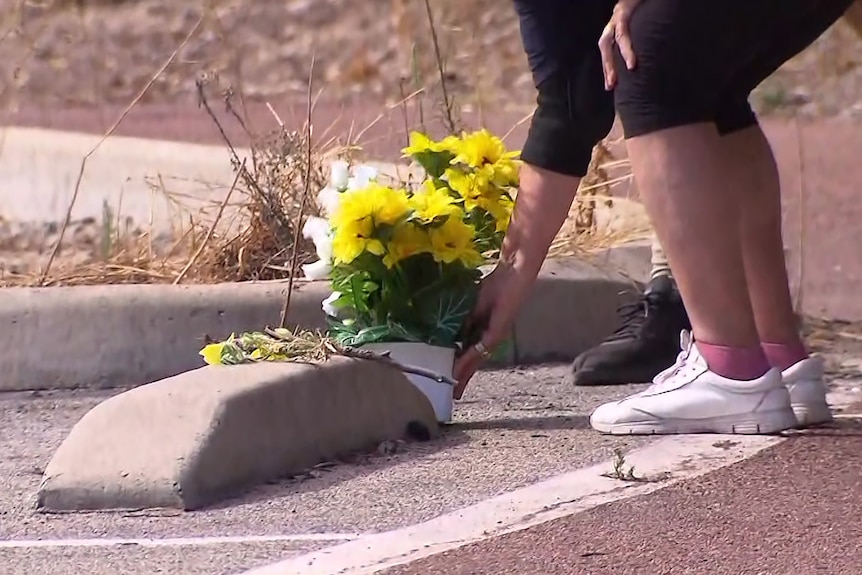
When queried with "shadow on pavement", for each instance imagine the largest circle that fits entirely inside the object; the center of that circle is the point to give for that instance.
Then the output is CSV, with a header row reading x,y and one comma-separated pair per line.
x,y
557,422
328,474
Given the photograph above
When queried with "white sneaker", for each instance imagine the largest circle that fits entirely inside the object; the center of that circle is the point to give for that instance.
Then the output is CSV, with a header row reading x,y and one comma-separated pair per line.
x,y
804,381
689,398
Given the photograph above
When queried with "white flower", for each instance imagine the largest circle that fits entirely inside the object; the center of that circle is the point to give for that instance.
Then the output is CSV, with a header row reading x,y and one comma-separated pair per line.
x,y
329,304
328,200
317,230
362,176
338,175
318,270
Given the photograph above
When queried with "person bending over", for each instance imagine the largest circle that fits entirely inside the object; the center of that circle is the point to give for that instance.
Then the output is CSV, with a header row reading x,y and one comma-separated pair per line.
x,y
709,182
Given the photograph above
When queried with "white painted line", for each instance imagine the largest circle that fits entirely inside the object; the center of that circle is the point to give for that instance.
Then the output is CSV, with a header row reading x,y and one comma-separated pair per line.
x,y
681,457
181,541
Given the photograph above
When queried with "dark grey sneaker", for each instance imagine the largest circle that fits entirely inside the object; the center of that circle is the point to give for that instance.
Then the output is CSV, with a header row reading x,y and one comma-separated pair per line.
x,y
645,343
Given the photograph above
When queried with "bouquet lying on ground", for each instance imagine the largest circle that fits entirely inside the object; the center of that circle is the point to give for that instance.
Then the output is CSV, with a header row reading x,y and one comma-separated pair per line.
x,y
404,260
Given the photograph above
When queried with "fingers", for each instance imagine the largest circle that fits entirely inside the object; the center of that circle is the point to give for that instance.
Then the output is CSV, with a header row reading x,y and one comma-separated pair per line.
x,y
469,362
465,366
606,46
616,36
624,40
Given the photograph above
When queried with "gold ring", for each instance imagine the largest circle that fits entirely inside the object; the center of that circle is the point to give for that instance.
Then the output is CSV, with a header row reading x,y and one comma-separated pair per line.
x,y
483,351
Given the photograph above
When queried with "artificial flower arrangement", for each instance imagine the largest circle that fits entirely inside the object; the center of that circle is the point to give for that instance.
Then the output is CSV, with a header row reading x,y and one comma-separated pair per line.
x,y
404,260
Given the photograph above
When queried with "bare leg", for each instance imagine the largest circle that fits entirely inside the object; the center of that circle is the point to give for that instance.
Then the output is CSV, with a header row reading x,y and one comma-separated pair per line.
x,y
752,176
683,184
723,383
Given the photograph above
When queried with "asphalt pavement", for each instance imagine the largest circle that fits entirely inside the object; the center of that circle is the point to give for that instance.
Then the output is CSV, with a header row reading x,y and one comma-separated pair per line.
x,y
514,428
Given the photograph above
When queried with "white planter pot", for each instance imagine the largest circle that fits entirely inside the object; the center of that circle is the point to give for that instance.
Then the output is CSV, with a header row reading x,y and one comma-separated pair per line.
x,y
431,357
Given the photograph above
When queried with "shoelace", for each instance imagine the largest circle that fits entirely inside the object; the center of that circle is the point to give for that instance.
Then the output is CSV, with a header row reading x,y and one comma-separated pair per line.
x,y
685,343
632,317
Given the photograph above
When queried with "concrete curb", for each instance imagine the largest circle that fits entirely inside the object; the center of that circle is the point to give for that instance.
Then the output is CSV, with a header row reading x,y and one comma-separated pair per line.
x,y
572,307
191,440
44,165
128,335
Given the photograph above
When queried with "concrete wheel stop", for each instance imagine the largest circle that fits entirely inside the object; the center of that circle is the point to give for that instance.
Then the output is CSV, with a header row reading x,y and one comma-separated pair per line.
x,y
206,435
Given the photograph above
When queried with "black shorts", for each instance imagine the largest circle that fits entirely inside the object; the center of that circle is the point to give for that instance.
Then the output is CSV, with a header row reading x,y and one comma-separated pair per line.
x,y
699,60
574,112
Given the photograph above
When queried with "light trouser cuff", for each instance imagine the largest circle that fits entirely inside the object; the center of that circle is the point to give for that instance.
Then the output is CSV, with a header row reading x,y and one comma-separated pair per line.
x,y
658,260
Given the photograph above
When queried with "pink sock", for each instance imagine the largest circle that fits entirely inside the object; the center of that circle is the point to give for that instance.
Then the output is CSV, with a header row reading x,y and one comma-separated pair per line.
x,y
783,355
739,363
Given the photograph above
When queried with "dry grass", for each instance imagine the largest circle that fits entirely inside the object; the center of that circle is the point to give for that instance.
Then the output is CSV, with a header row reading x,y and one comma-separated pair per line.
x,y
249,237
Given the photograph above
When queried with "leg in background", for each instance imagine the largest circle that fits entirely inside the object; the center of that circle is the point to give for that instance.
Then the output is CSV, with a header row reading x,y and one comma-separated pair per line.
x,y
646,341
658,260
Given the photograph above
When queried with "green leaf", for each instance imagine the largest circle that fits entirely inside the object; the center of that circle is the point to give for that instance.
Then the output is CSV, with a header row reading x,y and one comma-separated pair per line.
x,y
370,335
358,294
231,354
434,163
399,332
446,314
501,352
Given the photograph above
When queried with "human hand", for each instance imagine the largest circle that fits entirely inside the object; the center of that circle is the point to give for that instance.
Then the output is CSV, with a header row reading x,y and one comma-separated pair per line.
x,y
617,33
501,294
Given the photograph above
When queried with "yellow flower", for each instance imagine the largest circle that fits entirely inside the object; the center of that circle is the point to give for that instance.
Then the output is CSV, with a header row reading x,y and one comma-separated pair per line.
x,y
420,143
480,148
261,355
471,187
432,202
500,210
353,238
453,241
503,173
360,212
407,240
450,144
212,353
390,205
383,205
